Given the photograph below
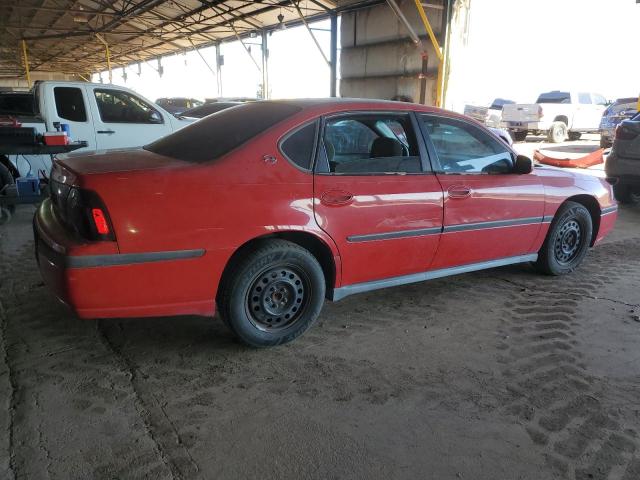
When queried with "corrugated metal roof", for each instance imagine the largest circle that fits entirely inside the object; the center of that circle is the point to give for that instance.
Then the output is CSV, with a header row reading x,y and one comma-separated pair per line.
x,y
61,34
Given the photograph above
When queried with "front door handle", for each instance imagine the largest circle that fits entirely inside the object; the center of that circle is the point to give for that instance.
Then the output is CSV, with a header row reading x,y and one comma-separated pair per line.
x,y
459,191
107,132
336,198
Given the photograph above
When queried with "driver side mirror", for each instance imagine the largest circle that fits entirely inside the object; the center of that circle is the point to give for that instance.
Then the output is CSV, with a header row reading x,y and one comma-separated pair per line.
x,y
523,165
155,117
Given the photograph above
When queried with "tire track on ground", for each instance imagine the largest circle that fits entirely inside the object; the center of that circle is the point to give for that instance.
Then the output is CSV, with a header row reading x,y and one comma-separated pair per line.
x,y
552,393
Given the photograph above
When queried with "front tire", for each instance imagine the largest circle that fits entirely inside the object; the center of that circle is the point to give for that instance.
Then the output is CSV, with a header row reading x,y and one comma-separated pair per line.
x,y
273,295
567,241
557,133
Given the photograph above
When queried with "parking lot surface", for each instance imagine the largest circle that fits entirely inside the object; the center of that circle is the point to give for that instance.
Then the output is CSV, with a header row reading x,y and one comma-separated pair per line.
x,y
501,374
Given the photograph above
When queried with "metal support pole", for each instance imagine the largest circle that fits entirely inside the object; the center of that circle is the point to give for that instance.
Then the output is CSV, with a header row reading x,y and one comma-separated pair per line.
x,y
108,55
315,40
265,65
25,57
334,56
436,47
219,69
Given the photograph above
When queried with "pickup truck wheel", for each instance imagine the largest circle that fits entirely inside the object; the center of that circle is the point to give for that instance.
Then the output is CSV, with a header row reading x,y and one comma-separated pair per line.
x,y
6,179
625,194
567,241
557,133
273,295
520,136
573,136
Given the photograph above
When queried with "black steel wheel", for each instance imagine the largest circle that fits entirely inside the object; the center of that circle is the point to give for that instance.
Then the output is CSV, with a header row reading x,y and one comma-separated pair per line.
x,y
273,294
278,298
568,240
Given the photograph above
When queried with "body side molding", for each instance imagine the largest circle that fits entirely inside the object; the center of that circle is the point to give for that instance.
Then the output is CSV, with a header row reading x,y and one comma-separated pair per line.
x,y
342,292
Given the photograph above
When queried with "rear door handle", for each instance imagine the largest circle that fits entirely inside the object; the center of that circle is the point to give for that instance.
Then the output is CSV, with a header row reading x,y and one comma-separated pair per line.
x,y
336,198
108,132
459,191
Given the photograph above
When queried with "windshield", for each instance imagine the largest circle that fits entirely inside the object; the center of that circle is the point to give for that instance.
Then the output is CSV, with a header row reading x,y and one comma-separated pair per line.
x,y
499,103
215,136
554,97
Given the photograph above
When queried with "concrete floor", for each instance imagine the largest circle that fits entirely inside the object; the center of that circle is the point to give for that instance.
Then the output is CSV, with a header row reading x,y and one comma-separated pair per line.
x,y
502,374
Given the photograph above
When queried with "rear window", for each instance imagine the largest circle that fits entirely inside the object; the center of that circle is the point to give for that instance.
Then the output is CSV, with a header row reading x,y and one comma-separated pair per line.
x,y
17,104
214,136
554,97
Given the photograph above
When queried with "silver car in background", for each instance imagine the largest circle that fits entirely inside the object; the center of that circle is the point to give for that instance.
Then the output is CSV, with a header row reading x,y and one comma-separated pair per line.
x,y
621,109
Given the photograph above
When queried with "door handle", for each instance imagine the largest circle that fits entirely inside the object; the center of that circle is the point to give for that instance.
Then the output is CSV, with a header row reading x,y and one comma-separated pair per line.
x,y
108,132
336,198
459,191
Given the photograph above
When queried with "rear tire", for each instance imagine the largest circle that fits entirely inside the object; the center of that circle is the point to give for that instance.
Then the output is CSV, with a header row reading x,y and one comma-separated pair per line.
x,y
567,241
557,133
573,136
626,195
273,295
604,143
520,136
6,212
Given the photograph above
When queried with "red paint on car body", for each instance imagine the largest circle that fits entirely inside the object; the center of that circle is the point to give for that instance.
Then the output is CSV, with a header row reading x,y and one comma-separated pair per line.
x,y
158,205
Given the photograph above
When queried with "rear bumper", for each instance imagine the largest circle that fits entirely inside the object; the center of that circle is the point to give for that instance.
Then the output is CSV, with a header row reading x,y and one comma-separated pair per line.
x,y
523,126
97,281
626,170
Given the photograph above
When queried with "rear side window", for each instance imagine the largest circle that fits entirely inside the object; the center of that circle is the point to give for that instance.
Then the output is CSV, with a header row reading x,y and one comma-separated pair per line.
x,y
464,148
216,135
299,146
554,97
70,104
371,144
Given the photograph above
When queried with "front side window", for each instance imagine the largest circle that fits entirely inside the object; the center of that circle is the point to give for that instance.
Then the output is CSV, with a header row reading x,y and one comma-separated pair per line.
x,y
599,99
465,148
116,106
371,144
70,104
584,98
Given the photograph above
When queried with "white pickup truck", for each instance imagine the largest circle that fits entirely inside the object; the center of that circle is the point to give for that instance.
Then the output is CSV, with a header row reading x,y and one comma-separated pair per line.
x,y
559,115
105,116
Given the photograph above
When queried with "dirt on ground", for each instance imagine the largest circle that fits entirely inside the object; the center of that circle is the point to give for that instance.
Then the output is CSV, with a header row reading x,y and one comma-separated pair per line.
x,y
501,374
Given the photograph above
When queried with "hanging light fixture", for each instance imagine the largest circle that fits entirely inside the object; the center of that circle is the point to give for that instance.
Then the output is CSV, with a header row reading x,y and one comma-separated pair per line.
x,y
281,25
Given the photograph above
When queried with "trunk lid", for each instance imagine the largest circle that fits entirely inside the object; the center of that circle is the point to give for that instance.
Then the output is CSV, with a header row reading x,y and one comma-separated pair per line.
x,y
627,141
112,161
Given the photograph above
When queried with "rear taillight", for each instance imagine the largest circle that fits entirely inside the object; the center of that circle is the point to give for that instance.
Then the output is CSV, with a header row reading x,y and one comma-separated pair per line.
x,y
625,133
100,221
81,211
540,112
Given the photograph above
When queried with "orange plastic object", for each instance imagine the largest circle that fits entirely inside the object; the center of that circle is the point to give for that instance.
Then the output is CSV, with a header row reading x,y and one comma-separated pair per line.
x,y
594,158
56,138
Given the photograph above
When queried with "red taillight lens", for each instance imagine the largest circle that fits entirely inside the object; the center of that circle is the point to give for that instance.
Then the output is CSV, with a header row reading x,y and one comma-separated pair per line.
x,y
624,133
540,112
100,221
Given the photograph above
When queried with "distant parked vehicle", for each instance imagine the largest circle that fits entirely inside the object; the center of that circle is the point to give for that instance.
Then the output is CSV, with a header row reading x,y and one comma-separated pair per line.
x,y
621,109
207,109
559,115
490,116
623,163
177,105
105,116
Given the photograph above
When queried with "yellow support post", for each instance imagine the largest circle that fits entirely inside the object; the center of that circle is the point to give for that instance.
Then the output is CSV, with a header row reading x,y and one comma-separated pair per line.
x,y
108,55
25,58
436,47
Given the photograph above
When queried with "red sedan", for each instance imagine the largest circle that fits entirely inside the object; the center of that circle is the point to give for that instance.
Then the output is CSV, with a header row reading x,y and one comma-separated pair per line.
x,y
268,208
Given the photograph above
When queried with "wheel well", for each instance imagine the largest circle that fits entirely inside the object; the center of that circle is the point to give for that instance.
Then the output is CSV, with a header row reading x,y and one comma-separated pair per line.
x,y
591,204
319,249
562,118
